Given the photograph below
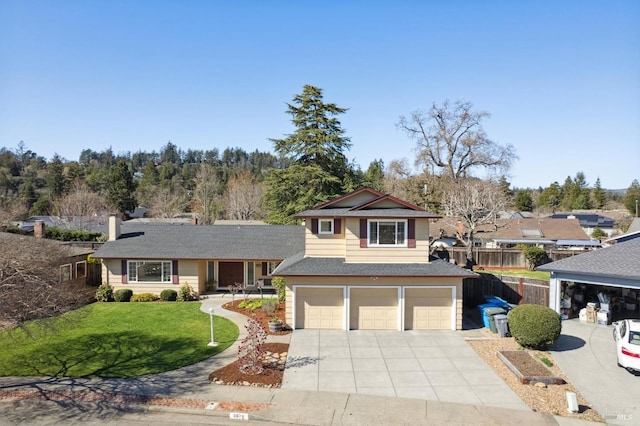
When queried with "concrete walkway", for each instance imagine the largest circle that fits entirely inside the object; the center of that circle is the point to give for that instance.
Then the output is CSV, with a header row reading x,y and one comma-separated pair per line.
x,y
278,406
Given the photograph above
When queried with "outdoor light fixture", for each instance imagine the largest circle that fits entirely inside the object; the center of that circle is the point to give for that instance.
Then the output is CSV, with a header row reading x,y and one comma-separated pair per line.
x,y
213,341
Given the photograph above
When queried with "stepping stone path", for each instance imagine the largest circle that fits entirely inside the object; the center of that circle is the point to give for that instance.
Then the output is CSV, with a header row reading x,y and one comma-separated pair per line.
x,y
275,360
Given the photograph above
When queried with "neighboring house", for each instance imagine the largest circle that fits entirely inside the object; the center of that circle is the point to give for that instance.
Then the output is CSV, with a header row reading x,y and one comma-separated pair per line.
x,y
365,265
589,222
508,233
613,271
150,257
74,266
631,235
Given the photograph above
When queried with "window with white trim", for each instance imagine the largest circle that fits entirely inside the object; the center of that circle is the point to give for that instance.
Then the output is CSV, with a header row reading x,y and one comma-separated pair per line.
x,y
325,226
149,271
81,269
388,233
271,266
66,272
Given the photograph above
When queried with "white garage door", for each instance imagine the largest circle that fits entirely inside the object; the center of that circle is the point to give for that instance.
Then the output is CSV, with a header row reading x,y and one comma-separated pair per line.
x,y
428,309
374,308
321,308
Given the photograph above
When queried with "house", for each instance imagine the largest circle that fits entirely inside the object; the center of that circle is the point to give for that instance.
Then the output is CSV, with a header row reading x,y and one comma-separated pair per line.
x,y
365,264
508,233
150,257
74,266
589,221
613,272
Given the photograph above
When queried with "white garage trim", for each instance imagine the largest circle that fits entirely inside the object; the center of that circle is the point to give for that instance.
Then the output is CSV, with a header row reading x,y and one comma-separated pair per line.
x,y
454,303
344,297
398,296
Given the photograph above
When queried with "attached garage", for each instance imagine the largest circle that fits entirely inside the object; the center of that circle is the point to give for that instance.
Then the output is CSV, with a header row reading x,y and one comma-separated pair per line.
x,y
373,308
429,308
320,308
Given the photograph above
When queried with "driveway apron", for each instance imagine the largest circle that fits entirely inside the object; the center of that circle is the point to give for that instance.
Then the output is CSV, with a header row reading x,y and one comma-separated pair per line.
x,y
586,353
432,365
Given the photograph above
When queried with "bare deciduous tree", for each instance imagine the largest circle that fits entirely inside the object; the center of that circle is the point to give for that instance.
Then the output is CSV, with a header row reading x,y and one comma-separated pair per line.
x,y
243,197
11,209
30,286
474,203
82,205
451,139
167,203
206,197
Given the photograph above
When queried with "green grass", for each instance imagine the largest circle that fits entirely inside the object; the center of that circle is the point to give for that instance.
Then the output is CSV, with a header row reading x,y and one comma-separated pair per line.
x,y
118,340
540,275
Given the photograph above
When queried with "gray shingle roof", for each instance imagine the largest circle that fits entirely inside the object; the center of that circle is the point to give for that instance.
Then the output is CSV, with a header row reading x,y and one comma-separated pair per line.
x,y
242,242
336,266
349,212
621,260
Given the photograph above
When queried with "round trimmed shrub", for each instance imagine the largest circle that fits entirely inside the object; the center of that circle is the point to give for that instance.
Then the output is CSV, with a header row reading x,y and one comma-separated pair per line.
x,y
144,297
123,295
168,295
534,326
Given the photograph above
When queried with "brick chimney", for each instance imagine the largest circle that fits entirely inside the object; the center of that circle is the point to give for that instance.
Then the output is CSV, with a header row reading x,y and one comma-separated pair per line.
x,y
38,229
114,227
194,220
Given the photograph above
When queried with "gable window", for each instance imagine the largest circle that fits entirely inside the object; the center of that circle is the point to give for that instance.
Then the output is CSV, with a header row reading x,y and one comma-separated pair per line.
x,y
325,226
388,233
141,271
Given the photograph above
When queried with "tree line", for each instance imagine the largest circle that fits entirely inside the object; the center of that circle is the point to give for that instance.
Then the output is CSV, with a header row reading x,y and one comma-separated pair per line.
x,y
309,166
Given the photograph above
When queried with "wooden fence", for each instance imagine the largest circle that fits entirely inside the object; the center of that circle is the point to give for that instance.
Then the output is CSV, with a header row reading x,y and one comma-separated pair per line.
x,y
516,290
499,258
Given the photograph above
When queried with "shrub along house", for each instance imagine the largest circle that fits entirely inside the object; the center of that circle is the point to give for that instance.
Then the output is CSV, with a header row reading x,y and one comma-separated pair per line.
x,y
148,258
366,265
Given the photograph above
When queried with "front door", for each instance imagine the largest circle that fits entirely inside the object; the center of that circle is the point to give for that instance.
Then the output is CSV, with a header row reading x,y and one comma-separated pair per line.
x,y
230,273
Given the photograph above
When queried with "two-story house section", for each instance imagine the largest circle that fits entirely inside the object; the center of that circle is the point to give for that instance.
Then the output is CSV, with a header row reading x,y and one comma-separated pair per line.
x,y
366,265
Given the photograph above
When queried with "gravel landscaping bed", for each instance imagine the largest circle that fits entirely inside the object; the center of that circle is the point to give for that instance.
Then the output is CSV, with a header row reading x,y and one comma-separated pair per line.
x,y
550,399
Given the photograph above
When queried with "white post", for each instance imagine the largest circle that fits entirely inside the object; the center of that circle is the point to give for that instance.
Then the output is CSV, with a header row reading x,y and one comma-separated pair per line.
x,y
212,342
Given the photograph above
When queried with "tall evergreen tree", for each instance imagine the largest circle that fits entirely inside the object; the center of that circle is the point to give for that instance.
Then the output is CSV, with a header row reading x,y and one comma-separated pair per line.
x,y
317,149
120,188
55,176
632,197
523,201
598,195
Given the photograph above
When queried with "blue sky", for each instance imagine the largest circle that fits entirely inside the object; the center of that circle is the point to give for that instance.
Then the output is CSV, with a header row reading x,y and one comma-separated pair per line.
x,y
560,79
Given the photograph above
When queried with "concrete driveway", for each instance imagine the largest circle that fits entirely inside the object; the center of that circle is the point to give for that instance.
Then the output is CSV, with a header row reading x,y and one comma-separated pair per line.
x,y
432,365
587,355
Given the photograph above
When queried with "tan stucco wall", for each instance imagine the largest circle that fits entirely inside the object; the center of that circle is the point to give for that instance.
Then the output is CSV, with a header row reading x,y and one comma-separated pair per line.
x,y
379,281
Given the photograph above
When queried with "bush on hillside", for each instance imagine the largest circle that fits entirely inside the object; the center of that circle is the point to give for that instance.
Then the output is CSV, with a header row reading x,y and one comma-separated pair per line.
x,y
123,295
534,326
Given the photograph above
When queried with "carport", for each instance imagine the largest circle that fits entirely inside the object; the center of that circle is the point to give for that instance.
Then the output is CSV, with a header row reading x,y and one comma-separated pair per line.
x,y
613,270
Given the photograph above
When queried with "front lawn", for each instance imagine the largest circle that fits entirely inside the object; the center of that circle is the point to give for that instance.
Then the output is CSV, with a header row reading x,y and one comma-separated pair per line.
x,y
118,340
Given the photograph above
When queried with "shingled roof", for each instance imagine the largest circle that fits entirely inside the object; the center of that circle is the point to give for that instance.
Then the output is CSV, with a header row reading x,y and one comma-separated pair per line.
x,y
620,261
336,266
231,242
536,228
